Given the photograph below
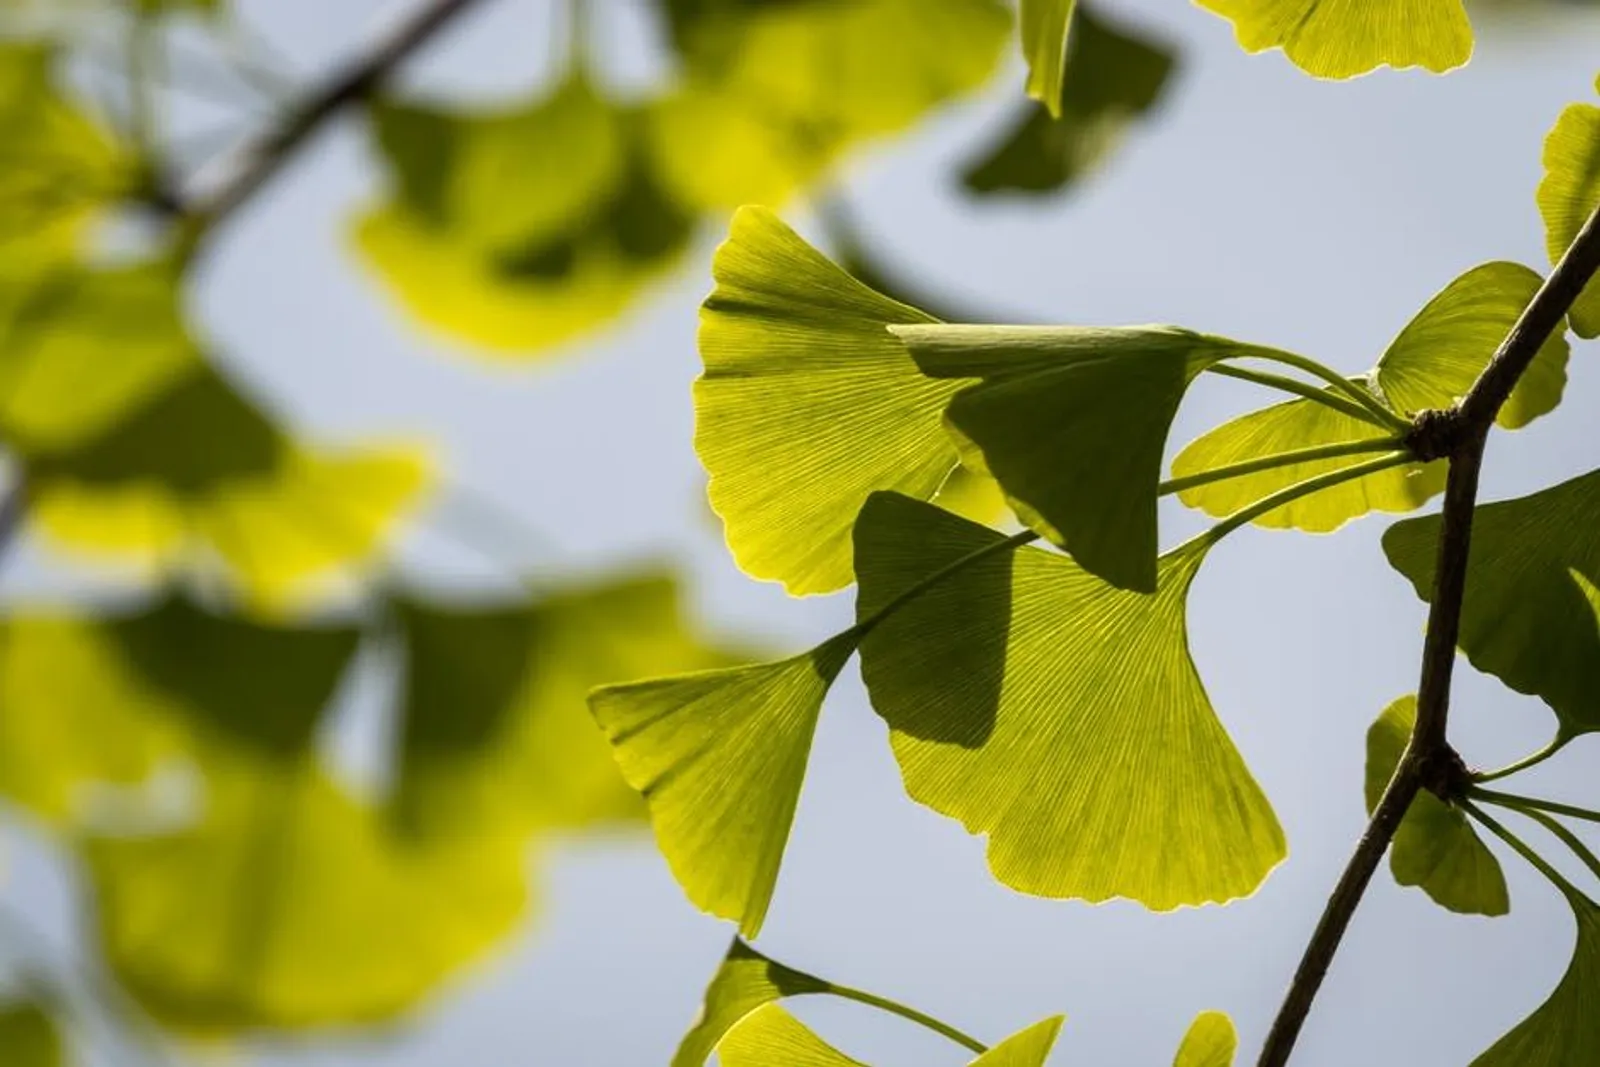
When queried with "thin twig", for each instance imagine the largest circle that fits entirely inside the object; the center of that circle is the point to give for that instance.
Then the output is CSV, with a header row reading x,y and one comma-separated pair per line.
x,y
1429,762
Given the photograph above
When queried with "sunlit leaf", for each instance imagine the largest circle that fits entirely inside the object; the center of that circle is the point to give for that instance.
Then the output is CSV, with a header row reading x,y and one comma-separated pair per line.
x,y
744,983
520,229
1112,77
1028,1048
1565,1031
720,757
973,496
1072,422
1431,364
1531,616
1045,24
771,1037
1568,195
1436,848
1210,1042
29,1036
807,404
773,94
1059,715
1343,38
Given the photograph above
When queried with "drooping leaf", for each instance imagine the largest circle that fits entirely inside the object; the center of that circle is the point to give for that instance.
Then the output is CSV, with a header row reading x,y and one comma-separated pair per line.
x,y
1059,715
521,229
1072,422
1430,364
1045,24
1112,77
720,757
29,1036
746,982
1343,38
807,404
1027,1048
1531,616
1565,1030
1436,848
1210,1042
773,94
1568,196
771,1037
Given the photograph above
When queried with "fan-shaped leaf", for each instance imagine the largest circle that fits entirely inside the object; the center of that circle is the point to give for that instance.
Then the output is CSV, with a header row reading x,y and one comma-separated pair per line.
x,y
1045,24
1059,715
1565,1031
1027,1048
1568,195
1343,38
30,1037
1435,847
1531,616
746,982
807,405
771,1037
1210,1042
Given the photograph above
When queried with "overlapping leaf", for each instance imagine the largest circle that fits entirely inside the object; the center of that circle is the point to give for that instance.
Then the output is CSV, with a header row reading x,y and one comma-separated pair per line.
x,y
1210,1042
1045,25
1532,611
771,1036
29,1036
1112,77
1568,196
1436,848
1430,364
1343,38
746,982
1565,1030
1059,715
807,404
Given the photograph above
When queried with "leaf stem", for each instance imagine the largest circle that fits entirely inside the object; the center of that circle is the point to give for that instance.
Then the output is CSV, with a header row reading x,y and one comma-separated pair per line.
x,y
1272,502
1573,842
910,593
1313,393
1522,848
1524,804
1525,762
1279,459
872,1000
1339,382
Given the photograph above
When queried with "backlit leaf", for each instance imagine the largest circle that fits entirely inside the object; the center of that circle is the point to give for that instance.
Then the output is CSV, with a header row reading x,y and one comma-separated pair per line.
x,y
807,404
720,757
1210,1042
1027,1048
1059,715
973,496
1531,616
1436,848
746,982
29,1036
1568,195
771,1037
1045,24
1565,1031
1343,38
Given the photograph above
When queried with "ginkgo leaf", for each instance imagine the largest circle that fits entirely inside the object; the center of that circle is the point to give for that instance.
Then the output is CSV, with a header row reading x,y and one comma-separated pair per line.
x,y
807,404
30,1036
1430,365
1112,77
1027,1048
774,94
521,229
1532,615
746,982
1343,38
973,496
1045,24
1211,1042
1072,422
720,757
1568,196
1436,848
1059,715
771,1037
1565,1030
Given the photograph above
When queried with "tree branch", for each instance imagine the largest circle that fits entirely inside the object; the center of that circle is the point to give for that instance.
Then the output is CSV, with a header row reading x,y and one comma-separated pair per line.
x,y
1429,762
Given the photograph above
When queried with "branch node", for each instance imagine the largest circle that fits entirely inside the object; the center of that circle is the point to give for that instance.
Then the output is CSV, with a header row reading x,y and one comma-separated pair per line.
x,y
1444,773
1436,434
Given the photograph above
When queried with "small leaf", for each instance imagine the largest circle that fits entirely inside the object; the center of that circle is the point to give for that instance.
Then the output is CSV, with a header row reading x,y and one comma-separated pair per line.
x,y
29,1036
1210,1042
1529,617
973,496
1045,24
720,757
1565,1030
807,405
1072,422
746,982
1027,1048
1343,38
1003,683
771,1037
1568,195
1435,848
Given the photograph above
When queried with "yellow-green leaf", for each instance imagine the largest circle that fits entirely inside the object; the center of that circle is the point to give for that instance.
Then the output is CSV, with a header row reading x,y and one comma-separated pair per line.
x,y
1568,196
720,757
1565,1030
1343,38
746,982
1045,24
29,1036
807,405
1436,848
1059,715
1026,1048
1210,1042
771,1037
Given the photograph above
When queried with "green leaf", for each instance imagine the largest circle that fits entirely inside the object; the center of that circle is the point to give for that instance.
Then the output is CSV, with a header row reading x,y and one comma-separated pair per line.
x,y
1112,77
807,405
1072,422
30,1037
524,228
1565,1031
771,1037
1431,364
1045,24
746,982
1568,196
1210,1042
1343,38
720,757
1436,848
774,94
1059,715
1532,614
1027,1048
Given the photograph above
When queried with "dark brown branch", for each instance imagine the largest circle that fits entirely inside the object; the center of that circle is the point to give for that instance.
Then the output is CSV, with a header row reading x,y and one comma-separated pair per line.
x,y
1429,762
